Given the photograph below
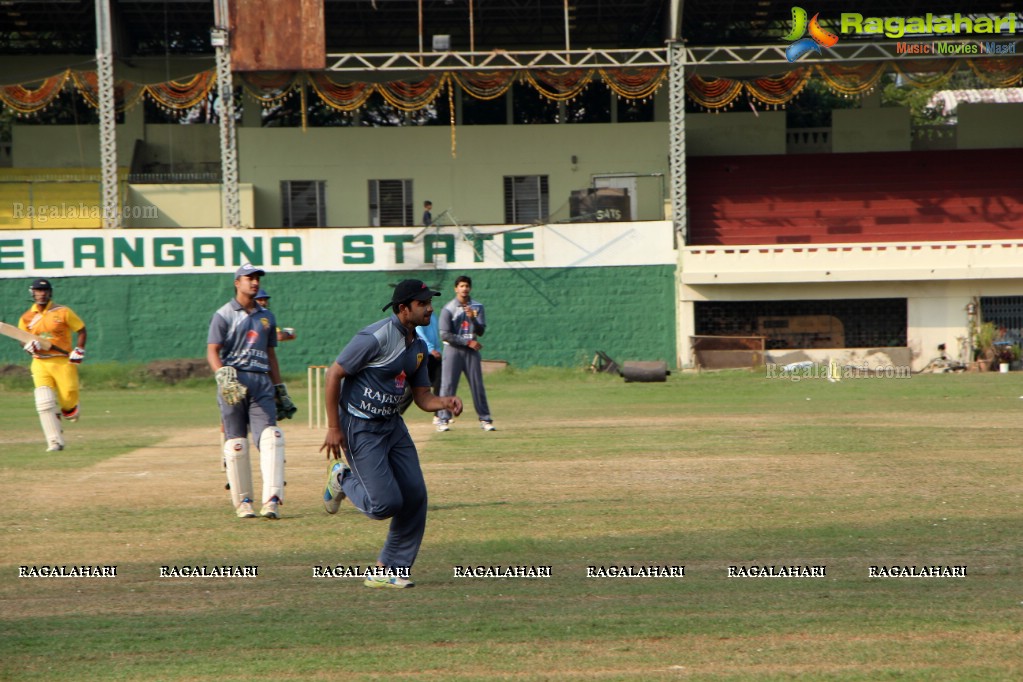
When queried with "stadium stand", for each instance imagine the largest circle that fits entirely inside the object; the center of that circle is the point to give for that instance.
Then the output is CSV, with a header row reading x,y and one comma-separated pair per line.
x,y
866,197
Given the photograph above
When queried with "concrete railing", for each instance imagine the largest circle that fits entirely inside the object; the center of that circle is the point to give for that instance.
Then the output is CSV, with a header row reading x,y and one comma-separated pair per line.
x,y
854,262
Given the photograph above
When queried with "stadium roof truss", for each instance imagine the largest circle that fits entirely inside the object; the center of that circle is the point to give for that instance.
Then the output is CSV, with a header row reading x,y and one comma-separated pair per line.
x,y
497,60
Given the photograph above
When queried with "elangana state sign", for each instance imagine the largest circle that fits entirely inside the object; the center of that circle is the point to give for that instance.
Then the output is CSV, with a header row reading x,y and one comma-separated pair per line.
x,y
76,252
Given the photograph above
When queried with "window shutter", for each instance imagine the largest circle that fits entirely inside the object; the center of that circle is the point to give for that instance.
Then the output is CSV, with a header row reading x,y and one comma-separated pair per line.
x,y
304,203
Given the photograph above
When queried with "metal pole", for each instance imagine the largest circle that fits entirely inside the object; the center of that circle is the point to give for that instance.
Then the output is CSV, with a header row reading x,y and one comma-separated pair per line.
x,y
107,123
420,29
568,43
677,139
677,168
221,38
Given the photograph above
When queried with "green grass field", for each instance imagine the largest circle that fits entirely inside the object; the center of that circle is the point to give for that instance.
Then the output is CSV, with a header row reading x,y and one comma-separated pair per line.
x,y
706,471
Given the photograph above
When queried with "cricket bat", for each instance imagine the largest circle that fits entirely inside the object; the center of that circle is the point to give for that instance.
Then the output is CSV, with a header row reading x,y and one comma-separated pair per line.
x,y
24,337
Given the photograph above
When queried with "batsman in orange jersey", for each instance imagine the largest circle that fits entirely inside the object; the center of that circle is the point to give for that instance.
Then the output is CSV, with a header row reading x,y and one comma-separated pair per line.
x,y
54,370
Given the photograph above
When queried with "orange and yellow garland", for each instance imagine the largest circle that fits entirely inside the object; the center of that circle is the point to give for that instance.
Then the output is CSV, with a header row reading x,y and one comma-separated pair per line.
x,y
557,85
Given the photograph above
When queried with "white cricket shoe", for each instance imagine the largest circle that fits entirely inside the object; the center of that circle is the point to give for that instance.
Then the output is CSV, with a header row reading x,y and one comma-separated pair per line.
x,y
270,510
245,510
442,425
387,581
333,495
487,426
55,447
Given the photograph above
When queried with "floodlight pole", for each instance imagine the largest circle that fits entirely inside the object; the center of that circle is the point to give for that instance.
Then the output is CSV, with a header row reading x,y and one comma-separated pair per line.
x,y
220,37
111,217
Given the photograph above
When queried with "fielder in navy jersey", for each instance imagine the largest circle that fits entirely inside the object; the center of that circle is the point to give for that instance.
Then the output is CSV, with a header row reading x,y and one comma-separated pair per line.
x,y
382,476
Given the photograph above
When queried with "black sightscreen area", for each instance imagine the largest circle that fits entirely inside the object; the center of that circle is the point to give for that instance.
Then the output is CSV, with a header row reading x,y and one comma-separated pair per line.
x,y
843,323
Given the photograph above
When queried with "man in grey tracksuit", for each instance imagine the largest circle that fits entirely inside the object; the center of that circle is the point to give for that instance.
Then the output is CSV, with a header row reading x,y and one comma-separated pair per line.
x,y
462,321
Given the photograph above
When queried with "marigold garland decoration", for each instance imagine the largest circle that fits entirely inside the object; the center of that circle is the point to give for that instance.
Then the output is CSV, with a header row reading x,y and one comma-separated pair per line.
x,y
851,80
341,96
183,94
780,90
997,72
713,93
24,100
270,88
126,93
559,85
634,83
406,96
926,73
485,86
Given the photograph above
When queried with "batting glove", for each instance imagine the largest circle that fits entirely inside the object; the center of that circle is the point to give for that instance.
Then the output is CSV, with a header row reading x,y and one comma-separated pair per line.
x,y
77,355
231,390
32,347
285,408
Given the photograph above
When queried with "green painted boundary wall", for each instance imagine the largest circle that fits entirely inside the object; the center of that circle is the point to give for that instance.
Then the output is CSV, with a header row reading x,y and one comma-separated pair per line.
x,y
556,317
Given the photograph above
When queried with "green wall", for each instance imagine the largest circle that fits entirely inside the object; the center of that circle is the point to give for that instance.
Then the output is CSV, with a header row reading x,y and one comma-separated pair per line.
x,y
548,317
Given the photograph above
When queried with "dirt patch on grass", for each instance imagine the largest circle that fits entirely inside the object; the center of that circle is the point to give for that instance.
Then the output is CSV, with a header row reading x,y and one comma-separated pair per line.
x,y
14,371
173,371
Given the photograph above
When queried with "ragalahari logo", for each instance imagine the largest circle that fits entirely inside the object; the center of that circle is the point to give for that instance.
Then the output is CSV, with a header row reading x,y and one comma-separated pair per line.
x,y
804,44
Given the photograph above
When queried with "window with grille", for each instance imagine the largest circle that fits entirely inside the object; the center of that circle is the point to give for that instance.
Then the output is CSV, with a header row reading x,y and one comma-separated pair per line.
x,y
525,199
390,203
856,323
303,203
1006,312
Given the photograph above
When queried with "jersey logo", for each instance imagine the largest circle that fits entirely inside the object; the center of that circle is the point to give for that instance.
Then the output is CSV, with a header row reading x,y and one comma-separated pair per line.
x,y
265,322
419,360
399,381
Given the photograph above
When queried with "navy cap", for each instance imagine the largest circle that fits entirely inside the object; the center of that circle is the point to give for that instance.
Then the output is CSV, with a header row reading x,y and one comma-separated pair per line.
x,y
41,284
410,290
248,270
262,294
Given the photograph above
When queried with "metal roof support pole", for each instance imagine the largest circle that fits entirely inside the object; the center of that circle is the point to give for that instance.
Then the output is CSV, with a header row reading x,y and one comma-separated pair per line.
x,y
107,122
221,39
677,170
677,138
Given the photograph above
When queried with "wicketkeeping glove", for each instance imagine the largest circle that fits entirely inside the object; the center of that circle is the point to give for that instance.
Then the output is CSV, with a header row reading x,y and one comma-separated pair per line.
x,y
285,408
231,390
77,355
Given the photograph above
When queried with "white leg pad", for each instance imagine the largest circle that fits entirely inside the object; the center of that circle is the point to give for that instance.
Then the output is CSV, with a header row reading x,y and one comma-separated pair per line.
x,y
239,471
271,463
49,415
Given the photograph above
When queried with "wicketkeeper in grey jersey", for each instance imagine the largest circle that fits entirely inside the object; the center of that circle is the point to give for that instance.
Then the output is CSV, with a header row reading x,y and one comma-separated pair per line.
x,y
241,352
462,321
382,477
